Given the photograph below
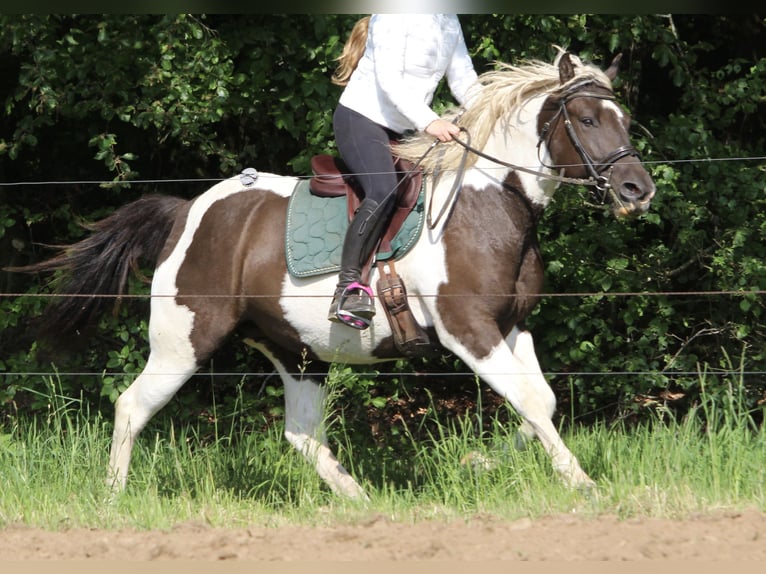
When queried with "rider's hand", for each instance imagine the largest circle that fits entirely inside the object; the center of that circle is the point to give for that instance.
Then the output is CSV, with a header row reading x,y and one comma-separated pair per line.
x,y
442,130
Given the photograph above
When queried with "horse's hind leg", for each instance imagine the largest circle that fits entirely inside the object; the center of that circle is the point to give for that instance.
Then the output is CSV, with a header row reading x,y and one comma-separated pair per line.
x,y
172,360
304,418
305,402
159,381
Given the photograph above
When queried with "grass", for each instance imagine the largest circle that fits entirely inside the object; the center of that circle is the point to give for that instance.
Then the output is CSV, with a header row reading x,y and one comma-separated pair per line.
x,y
52,472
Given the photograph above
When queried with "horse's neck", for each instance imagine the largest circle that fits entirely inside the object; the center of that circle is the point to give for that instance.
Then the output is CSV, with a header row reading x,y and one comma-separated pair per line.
x,y
514,141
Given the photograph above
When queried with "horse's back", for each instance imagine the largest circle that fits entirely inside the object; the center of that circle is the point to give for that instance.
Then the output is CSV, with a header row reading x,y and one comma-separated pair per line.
x,y
219,225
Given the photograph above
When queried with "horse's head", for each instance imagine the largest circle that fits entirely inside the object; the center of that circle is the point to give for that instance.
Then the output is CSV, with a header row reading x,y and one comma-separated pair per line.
x,y
586,134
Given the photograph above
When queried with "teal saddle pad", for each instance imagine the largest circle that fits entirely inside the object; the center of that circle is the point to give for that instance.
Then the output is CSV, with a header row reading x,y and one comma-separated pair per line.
x,y
316,227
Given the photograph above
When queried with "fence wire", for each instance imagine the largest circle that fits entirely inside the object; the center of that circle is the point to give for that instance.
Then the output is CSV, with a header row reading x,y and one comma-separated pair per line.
x,y
416,374
272,175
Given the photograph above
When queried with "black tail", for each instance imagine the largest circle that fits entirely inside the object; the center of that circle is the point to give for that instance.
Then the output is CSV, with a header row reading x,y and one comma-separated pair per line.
x,y
99,264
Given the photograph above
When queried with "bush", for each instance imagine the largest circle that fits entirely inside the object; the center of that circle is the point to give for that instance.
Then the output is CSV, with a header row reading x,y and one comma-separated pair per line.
x,y
130,98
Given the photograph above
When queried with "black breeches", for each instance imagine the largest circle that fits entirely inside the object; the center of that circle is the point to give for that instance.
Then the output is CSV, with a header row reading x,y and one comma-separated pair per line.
x,y
365,148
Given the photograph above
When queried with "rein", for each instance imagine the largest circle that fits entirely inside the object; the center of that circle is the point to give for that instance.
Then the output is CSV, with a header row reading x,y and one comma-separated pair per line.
x,y
596,182
559,178
455,184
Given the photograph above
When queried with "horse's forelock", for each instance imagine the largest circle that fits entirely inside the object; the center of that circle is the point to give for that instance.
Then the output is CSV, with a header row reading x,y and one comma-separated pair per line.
x,y
588,76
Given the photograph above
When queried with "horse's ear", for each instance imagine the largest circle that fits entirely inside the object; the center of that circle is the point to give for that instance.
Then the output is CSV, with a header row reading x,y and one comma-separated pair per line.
x,y
566,68
611,71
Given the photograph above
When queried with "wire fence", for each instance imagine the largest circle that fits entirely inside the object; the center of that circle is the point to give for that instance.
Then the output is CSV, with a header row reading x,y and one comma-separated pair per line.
x,y
578,294
581,294
271,175
664,373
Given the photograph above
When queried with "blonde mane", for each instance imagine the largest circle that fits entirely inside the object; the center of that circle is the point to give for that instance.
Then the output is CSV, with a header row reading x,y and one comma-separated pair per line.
x,y
500,92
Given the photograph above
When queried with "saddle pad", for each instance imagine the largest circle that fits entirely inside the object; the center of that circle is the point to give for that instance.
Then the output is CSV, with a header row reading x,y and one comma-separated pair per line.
x,y
316,227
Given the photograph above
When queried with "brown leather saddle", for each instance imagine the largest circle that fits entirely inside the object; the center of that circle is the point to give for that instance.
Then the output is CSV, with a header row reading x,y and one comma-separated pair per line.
x,y
331,178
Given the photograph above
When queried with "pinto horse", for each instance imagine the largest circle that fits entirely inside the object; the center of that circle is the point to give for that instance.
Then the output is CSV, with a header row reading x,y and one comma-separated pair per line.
x,y
472,276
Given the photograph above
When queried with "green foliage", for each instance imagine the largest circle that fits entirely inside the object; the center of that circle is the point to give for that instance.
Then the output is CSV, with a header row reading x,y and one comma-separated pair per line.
x,y
126,97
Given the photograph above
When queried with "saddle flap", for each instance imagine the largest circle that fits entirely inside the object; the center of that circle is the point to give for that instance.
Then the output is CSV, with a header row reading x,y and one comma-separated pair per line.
x,y
409,337
328,180
409,188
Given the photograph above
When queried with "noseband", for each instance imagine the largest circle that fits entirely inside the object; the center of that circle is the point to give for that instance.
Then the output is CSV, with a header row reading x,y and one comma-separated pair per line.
x,y
595,169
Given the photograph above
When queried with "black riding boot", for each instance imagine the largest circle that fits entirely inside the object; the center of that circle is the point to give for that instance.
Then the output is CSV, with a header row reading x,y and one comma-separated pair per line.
x,y
352,303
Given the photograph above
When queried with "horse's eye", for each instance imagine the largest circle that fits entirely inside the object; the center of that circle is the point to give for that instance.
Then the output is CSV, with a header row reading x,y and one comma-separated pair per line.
x,y
588,122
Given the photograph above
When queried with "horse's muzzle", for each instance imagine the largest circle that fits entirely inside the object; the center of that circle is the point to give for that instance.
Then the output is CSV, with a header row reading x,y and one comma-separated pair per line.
x,y
631,188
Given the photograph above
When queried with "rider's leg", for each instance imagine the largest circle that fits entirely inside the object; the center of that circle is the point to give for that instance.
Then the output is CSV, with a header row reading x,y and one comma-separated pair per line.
x,y
355,304
365,148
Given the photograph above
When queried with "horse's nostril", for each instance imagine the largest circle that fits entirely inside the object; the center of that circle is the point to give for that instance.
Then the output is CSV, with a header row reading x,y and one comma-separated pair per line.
x,y
632,191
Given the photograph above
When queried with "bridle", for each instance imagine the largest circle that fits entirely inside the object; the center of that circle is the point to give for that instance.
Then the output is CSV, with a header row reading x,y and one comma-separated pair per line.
x,y
594,168
596,179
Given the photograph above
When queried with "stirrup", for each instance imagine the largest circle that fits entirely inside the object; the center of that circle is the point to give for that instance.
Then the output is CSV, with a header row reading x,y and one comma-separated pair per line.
x,y
357,320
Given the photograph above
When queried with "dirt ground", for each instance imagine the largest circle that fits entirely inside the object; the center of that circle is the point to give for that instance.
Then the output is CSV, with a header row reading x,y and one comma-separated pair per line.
x,y
722,537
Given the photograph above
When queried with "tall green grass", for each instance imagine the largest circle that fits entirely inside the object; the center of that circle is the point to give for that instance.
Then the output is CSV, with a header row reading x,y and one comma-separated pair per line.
x,y
52,471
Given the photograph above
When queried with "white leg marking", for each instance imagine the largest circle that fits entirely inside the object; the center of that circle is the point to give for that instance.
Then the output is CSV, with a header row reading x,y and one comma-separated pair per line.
x,y
512,371
151,391
304,417
304,430
522,346
170,364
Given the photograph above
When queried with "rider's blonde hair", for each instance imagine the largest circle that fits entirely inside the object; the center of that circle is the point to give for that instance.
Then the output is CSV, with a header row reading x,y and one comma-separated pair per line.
x,y
352,52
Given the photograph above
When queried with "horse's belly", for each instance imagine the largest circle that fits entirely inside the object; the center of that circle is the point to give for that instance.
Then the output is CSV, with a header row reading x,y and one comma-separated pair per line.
x,y
305,303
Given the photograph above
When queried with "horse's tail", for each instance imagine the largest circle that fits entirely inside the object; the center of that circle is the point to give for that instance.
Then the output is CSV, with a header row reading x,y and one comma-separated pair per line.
x,y
94,271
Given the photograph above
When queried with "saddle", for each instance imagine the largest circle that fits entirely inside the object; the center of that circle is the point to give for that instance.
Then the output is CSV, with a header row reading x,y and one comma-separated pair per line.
x,y
331,178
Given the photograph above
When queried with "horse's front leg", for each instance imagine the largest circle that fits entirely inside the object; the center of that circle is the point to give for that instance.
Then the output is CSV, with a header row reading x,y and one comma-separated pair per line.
x,y
522,346
511,369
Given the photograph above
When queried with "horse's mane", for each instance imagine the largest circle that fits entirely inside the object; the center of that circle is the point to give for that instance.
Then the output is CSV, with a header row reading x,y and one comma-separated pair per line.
x,y
499,92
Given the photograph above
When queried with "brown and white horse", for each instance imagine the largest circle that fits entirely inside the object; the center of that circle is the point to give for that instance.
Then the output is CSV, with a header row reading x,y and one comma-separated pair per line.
x,y
472,277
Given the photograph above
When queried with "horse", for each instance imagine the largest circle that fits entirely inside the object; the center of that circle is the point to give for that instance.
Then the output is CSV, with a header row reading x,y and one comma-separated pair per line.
x,y
473,274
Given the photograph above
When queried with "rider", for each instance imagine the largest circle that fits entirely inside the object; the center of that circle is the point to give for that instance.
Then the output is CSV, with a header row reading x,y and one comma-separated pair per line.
x,y
391,66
